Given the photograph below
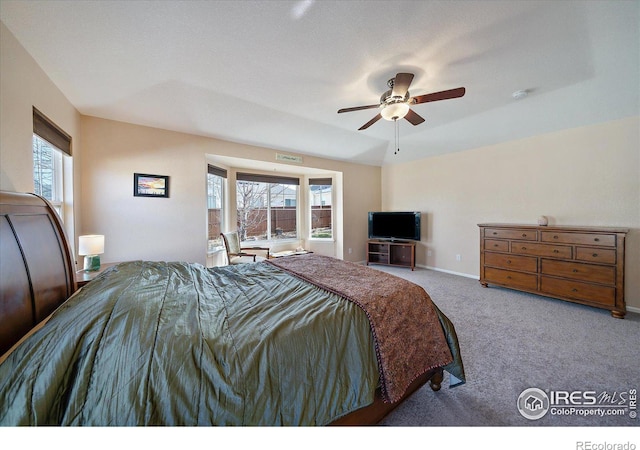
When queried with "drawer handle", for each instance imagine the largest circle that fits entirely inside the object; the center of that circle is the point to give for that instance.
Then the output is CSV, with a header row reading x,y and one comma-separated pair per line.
x,y
556,251
575,270
574,290
496,245
597,239
524,234
595,255
508,261
524,248
555,237
495,233
508,277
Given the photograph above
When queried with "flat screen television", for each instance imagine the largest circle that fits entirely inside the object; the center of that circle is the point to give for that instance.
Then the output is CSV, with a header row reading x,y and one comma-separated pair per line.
x,y
401,226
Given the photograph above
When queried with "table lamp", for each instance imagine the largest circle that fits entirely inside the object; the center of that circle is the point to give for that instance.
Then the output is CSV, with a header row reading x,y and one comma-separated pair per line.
x,y
91,247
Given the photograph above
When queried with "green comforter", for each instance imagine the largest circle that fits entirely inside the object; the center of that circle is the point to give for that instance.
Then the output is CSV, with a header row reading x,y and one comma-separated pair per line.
x,y
178,344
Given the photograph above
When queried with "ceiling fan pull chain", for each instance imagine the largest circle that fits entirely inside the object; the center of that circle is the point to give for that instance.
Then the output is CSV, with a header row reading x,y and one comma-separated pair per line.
x,y
397,137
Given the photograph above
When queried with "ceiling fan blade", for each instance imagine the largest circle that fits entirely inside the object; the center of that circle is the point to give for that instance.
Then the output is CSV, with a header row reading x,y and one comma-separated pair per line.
x,y
401,84
414,118
371,122
357,108
436,96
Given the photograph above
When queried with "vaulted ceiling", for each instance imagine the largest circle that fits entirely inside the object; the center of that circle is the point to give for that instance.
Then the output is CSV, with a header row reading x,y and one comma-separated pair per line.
x,y
274,73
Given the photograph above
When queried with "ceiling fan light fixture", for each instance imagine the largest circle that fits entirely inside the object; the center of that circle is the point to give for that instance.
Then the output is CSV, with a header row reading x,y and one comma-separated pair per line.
x,y
394,111
520,94
395,103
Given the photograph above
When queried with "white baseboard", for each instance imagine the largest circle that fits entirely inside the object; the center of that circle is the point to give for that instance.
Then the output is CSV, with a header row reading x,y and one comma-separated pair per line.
x,y
421,266
460,274
633,309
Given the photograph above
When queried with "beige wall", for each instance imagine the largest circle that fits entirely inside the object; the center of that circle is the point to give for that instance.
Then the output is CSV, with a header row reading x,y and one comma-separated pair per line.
x,y
101,188
23,84
585,176
175,228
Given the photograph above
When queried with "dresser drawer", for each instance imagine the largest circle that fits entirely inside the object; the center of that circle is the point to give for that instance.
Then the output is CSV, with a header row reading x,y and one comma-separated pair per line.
x,y
607,240
512,262
601,255
578,290
496,245
511,279
503,233
578,271
535,249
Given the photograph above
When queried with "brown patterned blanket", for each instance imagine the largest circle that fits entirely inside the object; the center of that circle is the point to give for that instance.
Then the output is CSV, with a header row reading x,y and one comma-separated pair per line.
x,y
406,329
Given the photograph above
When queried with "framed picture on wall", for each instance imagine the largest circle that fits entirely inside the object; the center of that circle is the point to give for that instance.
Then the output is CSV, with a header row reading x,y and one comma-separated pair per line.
x,y
145,185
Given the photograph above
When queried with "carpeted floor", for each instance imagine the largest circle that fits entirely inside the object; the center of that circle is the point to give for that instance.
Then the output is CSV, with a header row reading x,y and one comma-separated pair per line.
x,y
512,341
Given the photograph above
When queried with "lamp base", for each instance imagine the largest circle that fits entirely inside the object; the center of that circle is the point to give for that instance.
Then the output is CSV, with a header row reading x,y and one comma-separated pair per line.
x,y
91,263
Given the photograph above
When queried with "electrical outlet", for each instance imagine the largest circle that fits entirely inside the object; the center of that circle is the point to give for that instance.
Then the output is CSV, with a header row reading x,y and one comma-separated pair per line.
x,y
458,257
429,253
350,250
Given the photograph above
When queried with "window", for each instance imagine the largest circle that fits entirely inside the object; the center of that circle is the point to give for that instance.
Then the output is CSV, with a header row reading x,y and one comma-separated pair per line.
x,y
47,171
216,178
50,145
321,209
267,207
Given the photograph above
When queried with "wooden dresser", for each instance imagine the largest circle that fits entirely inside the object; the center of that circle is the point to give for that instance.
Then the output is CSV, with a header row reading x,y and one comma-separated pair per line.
x,y
578,264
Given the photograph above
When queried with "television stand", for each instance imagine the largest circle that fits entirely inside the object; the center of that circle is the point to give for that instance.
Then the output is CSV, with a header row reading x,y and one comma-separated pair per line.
x,y
392,253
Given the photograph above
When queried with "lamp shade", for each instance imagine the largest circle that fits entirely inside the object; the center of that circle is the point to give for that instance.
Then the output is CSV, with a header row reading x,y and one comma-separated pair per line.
x,y
92,244
394,111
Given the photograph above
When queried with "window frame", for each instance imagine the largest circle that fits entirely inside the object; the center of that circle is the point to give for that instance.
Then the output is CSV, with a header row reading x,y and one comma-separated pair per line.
x,y
214,171
57,173
270,181
320,181
45,130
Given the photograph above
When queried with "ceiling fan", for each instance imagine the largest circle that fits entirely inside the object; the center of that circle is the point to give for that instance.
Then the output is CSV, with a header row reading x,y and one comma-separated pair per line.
x,y
396,102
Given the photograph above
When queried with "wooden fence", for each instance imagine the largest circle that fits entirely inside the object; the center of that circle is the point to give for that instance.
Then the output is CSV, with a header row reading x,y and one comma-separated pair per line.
x,y
283,221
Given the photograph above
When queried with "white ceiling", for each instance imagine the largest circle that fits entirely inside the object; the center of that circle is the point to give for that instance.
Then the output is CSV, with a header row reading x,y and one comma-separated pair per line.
x,y
274,73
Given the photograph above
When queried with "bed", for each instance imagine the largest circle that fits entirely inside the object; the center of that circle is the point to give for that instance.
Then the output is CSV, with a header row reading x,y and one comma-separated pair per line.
x,y
302,340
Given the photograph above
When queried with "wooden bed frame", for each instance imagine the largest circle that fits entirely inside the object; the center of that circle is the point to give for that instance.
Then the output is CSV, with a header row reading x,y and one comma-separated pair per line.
x,y
37,274
375,412
37,270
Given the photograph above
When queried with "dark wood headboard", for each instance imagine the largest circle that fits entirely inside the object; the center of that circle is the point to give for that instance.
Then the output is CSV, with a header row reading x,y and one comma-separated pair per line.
x,y
37,270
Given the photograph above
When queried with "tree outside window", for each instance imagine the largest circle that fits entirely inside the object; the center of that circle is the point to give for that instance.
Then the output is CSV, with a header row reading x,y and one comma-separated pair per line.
x,y
266,210
47,172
